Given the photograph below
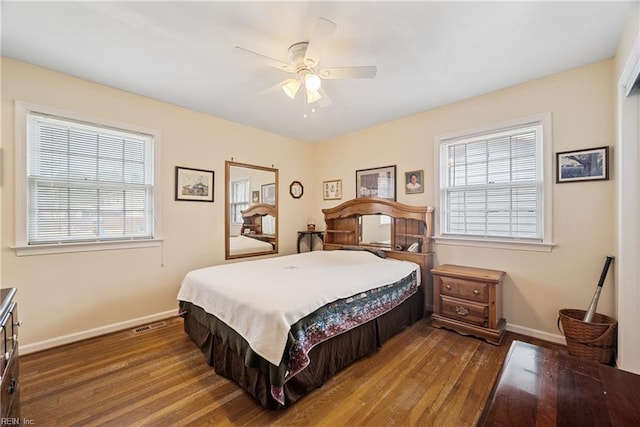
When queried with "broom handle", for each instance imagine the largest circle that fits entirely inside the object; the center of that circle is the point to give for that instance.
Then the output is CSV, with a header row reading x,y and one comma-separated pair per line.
x,y
588,316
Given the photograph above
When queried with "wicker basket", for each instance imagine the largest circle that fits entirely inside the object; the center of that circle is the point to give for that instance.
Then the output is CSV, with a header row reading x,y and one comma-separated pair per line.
x,y
594,340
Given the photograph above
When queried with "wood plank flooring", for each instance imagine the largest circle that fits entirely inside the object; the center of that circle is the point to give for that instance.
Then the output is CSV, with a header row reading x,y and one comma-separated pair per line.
x,y
421,377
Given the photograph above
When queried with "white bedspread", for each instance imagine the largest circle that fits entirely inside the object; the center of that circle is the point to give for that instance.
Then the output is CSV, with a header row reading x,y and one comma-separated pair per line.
x,y
245,245
261,299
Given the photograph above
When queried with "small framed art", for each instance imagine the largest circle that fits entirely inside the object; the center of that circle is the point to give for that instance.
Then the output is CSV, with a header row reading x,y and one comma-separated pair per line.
x,y
269,194
255,196
332,190
376,182
194,185
591,164
414,182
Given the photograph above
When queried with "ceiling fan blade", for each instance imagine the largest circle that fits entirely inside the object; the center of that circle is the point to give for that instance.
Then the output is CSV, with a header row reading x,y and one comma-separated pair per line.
x,y
273,89
364,72
322,32
240,51
325,101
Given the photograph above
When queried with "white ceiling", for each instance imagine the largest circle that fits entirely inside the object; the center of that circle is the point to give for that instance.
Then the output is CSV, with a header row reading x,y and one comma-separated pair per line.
x,y
428,54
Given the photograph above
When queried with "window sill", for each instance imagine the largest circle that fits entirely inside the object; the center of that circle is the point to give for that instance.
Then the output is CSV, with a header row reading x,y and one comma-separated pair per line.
x,y
58,248
517,245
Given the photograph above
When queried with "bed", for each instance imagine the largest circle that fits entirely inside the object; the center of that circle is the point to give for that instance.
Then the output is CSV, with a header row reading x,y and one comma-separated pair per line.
x,y
248,244
254,216
280,327
256,234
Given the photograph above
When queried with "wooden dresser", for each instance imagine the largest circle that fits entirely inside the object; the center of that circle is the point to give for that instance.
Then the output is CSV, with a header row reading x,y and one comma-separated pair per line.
x,y
469,301
9,367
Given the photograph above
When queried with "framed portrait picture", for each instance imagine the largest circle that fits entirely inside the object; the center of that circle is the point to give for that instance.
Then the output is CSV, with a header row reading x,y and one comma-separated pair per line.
x,y
376,182
269,194
194,185
590,164
332,190
255,196
414,182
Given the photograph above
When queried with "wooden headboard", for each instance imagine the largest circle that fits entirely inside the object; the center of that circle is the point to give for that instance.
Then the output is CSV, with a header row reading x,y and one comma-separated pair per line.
x,y
253,216
409,225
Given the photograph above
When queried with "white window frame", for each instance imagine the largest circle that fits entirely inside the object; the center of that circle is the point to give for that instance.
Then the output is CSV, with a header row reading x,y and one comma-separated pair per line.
x,y
234,204
22,247
546,158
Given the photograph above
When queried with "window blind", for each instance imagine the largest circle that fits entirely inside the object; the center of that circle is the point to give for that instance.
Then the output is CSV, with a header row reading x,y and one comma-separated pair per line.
x,y
87,182
491,185
239,199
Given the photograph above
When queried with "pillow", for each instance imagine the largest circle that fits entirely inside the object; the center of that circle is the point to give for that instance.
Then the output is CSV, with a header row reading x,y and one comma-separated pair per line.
x,y
377,252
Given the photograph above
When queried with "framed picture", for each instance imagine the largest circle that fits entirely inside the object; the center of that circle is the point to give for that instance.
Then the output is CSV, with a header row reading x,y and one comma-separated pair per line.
x,y
255,196
269,194
194,184
332,190
376,182
590,164
414,182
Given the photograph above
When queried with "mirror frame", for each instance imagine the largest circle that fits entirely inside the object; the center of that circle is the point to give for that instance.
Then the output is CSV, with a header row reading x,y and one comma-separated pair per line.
x,y
227,210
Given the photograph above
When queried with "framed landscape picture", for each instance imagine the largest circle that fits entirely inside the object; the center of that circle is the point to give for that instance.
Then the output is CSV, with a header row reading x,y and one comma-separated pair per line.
x,y
376,182
194,184
590,164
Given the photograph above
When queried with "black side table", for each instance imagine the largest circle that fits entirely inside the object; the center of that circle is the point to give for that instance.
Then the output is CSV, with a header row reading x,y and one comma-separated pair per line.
x,y
301,235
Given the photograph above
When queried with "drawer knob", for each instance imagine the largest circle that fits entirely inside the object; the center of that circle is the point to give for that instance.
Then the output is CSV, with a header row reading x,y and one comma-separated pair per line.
x,y
462,311
7,355
476,292
448,286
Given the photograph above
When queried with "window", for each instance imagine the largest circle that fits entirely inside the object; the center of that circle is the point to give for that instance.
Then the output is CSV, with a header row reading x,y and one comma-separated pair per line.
x,y
83,181
494,183
239,199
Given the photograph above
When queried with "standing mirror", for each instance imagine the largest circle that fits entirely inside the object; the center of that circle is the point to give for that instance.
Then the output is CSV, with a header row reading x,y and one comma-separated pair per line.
x,y
251,211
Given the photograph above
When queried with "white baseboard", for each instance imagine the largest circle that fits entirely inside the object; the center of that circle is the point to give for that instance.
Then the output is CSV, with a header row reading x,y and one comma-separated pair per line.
x,y
534,333
91,333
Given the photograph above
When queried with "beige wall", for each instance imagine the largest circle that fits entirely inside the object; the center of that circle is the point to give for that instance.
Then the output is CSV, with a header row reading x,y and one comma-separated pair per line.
x,y
66,295
538,284
69,294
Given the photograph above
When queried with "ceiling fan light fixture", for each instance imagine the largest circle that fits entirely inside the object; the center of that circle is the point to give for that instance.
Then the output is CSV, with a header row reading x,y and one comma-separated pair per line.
x,y
312,82
312,96
290,87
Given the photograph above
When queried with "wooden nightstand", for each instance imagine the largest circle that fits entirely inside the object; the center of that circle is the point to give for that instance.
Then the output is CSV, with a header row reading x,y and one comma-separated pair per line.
x,y
469,301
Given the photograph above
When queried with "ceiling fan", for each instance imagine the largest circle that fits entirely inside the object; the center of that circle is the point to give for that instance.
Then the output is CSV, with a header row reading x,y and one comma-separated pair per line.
x,y
304,58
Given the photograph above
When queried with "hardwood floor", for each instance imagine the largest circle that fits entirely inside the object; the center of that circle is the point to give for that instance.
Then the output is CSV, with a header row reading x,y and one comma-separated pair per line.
x,y
423,376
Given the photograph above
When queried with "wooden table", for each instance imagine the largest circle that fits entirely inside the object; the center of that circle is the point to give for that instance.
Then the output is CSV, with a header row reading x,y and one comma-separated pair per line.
x,y
542,387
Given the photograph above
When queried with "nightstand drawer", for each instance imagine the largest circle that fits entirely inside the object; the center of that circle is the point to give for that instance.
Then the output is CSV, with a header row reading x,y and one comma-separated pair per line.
x,y
465,289
464,311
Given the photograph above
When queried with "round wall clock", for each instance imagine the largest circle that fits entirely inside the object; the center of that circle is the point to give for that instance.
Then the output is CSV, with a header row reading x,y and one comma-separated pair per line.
x,y
296,189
